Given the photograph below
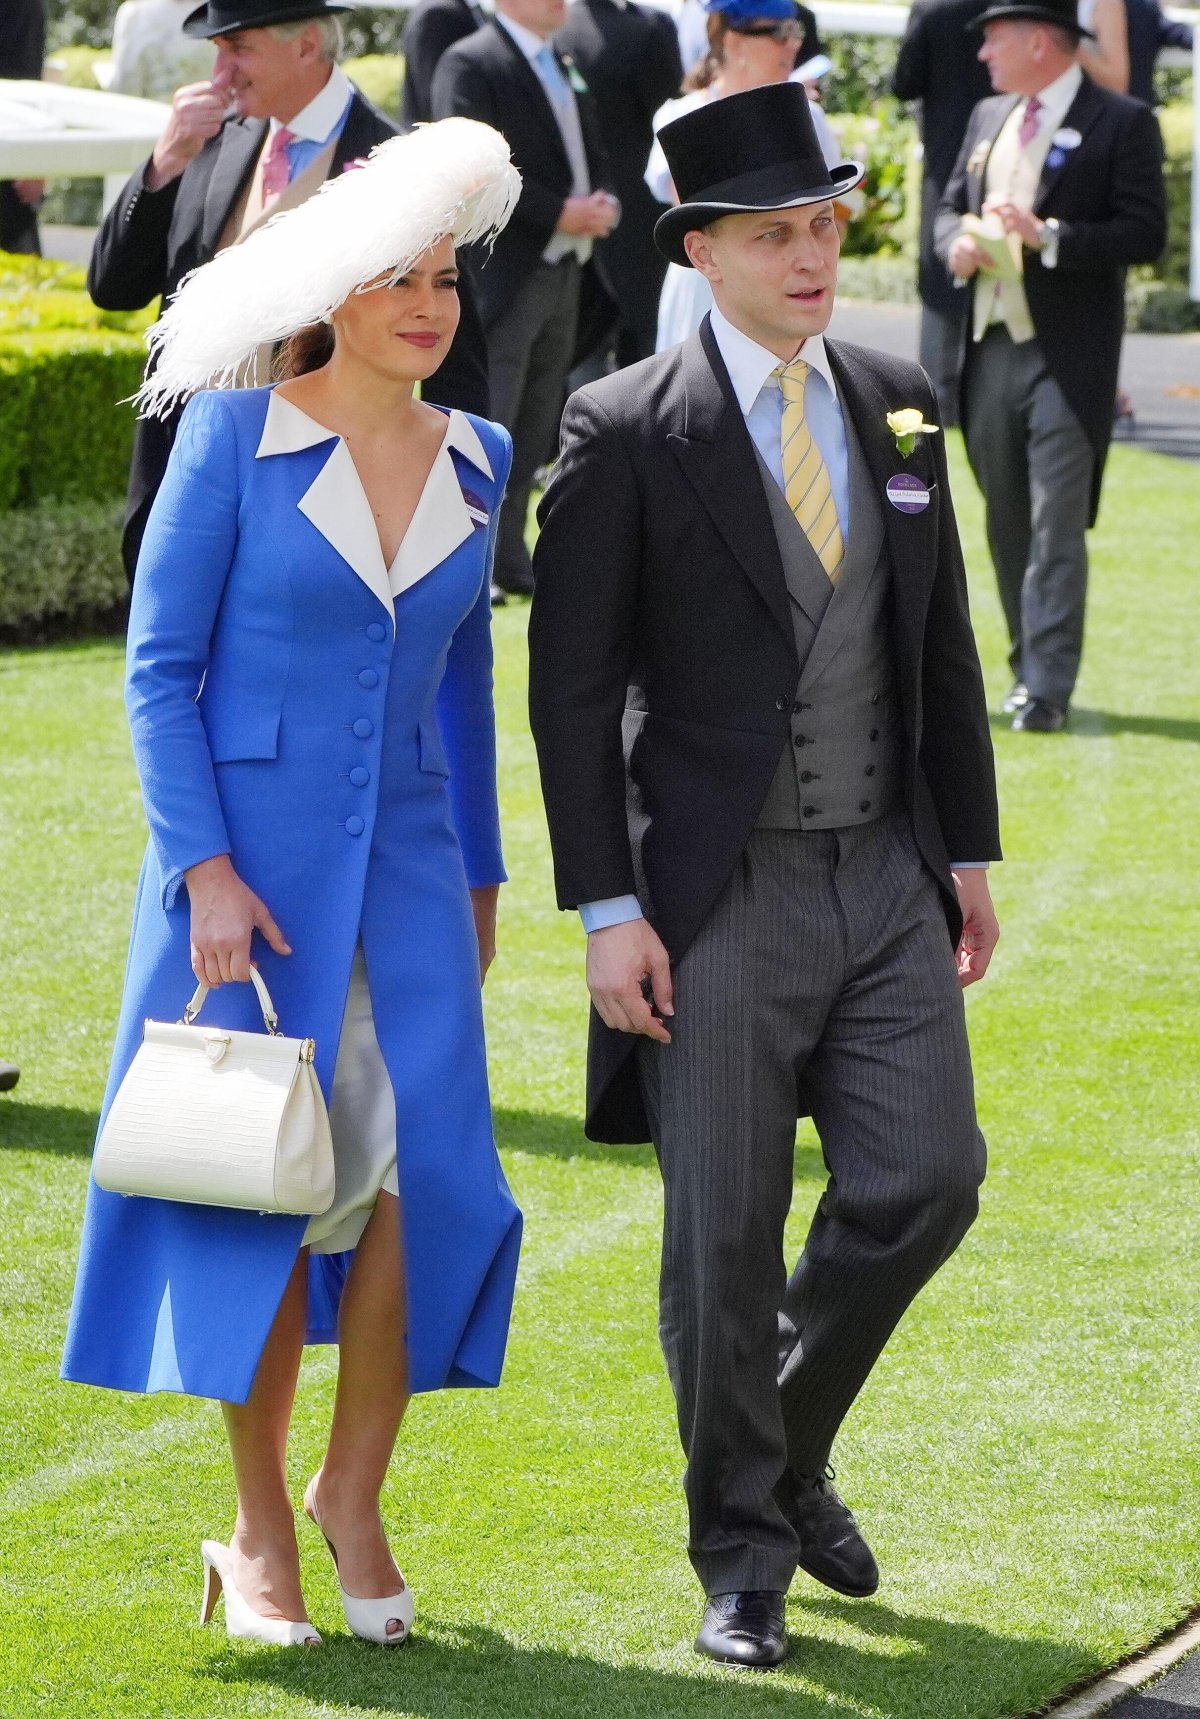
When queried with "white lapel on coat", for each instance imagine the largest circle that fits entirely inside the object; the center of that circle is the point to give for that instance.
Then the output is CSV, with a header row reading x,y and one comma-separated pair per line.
x,y
335,501
443,519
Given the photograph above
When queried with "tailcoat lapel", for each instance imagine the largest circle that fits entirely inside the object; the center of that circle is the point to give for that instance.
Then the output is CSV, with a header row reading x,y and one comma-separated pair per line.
x,y
1080,116
241,141
911,537
716,456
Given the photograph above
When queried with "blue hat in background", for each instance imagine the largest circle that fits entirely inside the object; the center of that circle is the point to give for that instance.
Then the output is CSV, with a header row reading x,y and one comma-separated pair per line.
x,y
737,12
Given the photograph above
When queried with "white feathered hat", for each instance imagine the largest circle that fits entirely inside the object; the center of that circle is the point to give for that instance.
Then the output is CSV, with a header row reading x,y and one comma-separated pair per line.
x,y
452,178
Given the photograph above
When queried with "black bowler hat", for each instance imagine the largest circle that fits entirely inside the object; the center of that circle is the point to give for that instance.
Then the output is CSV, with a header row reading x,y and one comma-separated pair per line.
x,y
1064,13
223,17
742,153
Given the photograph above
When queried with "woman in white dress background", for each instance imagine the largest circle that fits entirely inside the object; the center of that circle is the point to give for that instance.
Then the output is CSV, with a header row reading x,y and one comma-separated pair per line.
x,y
750,43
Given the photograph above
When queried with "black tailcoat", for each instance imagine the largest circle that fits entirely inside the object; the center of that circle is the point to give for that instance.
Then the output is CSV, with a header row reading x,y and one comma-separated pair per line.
x,y
1108,197
150,239
938,65
629,56
22,51
663,660
487,77
430,28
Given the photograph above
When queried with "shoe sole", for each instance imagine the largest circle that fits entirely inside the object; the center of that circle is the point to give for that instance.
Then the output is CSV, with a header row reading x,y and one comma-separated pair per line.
x,y
739,1664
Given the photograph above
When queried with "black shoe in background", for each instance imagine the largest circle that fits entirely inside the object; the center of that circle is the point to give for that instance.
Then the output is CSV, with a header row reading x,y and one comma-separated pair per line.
x,y
744,1629
1039,716
832,1548
10,1074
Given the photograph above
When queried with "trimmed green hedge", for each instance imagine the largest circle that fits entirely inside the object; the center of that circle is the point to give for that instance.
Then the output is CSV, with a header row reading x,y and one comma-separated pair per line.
x,y
60,568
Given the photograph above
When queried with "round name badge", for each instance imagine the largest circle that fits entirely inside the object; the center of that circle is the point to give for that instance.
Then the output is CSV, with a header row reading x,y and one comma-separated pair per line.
x,y
907,493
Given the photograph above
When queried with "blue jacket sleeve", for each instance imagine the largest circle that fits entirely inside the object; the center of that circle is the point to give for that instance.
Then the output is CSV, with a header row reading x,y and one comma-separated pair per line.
x,y
182,569
466,709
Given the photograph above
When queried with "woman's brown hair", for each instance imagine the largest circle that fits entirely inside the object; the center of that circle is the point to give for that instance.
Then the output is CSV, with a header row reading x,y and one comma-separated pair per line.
x,y
705,70
308,349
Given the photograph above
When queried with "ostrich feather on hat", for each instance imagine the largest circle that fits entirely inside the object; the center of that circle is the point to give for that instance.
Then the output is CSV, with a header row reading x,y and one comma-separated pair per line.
x,y
452,178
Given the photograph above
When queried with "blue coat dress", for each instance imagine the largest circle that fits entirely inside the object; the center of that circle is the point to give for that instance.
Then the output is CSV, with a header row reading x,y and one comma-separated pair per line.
x,y
328,722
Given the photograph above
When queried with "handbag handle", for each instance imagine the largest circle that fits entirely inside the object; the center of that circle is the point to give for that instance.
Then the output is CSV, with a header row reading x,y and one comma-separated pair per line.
x,y
270,1018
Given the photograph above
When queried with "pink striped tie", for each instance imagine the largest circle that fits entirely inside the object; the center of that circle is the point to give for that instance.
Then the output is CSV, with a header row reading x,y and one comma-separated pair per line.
x,y
276,172
1029,122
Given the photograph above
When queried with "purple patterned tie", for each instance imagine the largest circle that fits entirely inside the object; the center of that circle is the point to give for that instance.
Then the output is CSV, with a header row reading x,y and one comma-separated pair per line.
x,y
1029,122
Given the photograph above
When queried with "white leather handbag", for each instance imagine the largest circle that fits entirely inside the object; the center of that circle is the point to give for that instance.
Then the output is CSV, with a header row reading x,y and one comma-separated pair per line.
x,y
220,1118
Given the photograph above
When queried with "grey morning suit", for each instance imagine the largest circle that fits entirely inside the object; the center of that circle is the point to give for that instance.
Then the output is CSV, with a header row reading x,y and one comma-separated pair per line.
x,y
822,979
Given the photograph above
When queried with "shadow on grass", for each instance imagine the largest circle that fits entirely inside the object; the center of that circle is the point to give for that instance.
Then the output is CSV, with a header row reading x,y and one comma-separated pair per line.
x,y
470,1672
551,1136
1088,724
58,1129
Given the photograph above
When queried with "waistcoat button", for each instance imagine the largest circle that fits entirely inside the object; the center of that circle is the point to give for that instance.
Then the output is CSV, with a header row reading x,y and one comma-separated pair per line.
x,y
810,811
782,703
864,805
870,770
801,740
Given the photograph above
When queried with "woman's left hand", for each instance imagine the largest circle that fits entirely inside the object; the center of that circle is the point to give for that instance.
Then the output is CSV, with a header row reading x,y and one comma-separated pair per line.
x,y
483,906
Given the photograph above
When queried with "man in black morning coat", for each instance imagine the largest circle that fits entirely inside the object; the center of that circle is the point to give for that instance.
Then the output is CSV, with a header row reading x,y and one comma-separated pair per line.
x,y
430,28
768,777
1074,174
531,281
203,188
938,65
629,57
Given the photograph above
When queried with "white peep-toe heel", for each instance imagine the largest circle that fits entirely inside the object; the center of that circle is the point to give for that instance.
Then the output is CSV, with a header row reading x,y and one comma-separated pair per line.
x,y
240,1617
369,1618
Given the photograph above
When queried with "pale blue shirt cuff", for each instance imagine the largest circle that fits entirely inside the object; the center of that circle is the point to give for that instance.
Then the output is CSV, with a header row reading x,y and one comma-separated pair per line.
x,y
616,910
969,865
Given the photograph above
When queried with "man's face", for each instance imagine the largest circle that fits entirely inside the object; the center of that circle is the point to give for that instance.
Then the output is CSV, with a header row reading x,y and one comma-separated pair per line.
x,y
268,78
1010,53
543,17
773,273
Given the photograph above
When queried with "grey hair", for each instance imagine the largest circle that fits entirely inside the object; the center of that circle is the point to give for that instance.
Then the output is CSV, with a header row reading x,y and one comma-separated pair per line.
x,y
330,28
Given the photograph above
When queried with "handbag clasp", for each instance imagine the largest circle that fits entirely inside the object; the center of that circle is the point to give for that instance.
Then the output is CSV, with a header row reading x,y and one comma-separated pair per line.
x,y
215,1046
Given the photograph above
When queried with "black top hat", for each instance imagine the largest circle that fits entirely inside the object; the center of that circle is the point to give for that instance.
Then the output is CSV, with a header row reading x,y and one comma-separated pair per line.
x,y
1064,13
741,153
223,17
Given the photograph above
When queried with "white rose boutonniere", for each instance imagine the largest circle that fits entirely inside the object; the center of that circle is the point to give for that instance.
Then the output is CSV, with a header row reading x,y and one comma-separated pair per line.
x,y
906,425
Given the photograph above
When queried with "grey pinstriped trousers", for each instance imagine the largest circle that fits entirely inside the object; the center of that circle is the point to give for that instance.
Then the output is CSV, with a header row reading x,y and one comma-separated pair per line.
x,y
825,968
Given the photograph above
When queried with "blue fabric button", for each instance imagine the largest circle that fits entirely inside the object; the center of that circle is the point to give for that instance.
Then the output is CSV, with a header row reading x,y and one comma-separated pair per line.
x,y
368,678
360,776
355,825
363,728
377,632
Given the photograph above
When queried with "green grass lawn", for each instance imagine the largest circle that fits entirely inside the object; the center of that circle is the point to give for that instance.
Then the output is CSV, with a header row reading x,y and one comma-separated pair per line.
x,y
1024,1458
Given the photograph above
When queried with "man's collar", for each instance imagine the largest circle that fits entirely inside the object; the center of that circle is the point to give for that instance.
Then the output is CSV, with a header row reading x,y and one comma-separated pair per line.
x,y
750,365
315,122
529,42
1057,97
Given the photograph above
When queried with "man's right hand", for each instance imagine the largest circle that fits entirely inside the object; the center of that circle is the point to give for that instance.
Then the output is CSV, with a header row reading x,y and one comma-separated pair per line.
x,y
966,257
197,114
619,959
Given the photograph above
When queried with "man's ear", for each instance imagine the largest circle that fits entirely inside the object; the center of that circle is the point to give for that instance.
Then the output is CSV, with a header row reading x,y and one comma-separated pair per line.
x,y
699,247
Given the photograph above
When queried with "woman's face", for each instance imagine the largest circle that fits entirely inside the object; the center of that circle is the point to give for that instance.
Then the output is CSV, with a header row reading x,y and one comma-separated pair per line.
x,y
763,51
404,331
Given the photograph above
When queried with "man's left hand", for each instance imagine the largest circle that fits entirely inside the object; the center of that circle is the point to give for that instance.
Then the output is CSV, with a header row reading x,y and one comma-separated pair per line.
x,y
1023,222
980,930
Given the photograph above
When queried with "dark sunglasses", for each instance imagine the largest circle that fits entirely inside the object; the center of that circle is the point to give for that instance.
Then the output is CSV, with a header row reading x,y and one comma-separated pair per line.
x,y
781,29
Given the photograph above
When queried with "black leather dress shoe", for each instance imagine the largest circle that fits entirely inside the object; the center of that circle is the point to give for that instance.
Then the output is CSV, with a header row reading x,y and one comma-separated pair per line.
x,y
499,596
1018,698
832,1549
10,1074
744,1629
515,584
1039,716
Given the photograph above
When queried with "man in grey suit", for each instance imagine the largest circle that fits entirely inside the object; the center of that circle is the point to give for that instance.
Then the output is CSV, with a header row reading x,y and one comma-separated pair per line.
x,y
768,776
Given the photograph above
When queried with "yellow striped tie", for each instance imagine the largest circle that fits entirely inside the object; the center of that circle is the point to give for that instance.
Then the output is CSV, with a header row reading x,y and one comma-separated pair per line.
x,y
805,474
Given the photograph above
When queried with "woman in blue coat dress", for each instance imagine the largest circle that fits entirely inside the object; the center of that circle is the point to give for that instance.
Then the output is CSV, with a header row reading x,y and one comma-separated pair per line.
x,y
309,690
